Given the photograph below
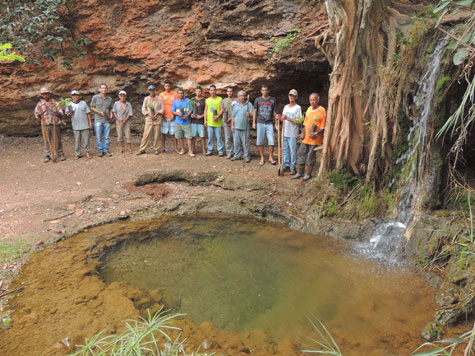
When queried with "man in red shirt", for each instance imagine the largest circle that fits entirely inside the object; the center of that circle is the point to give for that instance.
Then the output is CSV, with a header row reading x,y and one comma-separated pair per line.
x,y
50,116
168,123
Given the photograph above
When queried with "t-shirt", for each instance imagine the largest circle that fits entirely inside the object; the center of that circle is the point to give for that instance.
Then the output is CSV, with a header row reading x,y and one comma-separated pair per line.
x,y
239,114
79,120
118,108
228,104
185,107
214,105
291,129
199,110
317,117
104,105
168,99
265,110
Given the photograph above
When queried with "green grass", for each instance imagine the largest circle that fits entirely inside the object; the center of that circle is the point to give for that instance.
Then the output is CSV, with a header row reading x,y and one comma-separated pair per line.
x,y
13,251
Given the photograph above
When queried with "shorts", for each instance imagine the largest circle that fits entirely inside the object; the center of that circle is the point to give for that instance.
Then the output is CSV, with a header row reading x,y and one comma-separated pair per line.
x,y
198,129
263,131
168,127
183,130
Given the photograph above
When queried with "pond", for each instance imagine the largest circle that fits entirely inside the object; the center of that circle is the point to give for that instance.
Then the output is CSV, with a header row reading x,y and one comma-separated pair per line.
x,y
244,274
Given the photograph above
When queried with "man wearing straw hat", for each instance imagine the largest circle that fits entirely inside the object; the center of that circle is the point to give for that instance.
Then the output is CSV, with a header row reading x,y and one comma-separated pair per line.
x,y
47,111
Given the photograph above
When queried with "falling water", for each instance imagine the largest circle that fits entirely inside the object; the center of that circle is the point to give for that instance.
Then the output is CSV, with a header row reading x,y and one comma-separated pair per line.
x,y
388,240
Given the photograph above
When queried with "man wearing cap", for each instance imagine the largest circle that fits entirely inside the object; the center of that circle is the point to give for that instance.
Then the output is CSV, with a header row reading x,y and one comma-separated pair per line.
x,y
80,115
101,105
168,123
47,111
122,111
152,109
264,114
291,118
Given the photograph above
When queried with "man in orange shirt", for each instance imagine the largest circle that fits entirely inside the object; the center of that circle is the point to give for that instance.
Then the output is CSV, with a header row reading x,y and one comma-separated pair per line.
x,y
315,120
168,123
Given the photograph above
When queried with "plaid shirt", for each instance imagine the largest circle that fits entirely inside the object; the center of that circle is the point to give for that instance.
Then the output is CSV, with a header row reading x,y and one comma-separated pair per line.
x,y
47,112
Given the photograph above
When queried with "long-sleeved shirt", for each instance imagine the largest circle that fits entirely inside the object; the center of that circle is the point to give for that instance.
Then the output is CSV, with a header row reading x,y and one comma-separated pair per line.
x,y
159,108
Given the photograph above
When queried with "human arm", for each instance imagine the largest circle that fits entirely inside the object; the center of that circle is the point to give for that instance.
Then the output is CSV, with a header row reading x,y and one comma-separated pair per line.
x,y
205,121
145,109
254,117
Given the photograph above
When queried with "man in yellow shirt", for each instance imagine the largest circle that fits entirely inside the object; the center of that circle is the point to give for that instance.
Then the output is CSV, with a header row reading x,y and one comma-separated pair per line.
x,y
214,121
168,123
315,120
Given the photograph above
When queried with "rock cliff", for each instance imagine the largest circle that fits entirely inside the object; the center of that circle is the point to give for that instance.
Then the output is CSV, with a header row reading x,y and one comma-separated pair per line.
x,y
134,43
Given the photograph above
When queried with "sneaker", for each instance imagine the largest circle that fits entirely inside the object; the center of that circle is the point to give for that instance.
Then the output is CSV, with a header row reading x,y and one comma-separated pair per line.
x,y
46,159
293,171
142,153
221,154
62,158
229,156
209,153
101,154
156,152
248,160
236,158
108,154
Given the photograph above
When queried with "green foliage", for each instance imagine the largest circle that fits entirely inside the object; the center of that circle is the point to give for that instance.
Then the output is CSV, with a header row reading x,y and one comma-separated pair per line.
x,y
441,82
283,43
326,344
63,102
12,251
140,338
6,54
40,28
342,180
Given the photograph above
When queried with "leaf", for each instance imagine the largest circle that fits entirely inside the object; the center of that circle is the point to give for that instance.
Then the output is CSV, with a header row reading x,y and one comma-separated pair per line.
x,y
465,2
460,55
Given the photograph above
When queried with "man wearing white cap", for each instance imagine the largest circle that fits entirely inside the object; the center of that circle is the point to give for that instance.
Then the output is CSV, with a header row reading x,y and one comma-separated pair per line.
x,y
122,111
81,121
292,118
152,109
47,111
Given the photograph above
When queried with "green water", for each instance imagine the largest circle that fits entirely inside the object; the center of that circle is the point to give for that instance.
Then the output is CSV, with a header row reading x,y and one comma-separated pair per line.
x,y
243,274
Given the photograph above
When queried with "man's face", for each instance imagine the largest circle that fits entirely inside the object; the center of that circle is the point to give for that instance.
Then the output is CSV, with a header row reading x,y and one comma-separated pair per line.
x,y
265,92
212,91
181,94
229,92
314,101
123,97
292,98
198,92
75,98
46,96
152,92
103,89
242,97
168,87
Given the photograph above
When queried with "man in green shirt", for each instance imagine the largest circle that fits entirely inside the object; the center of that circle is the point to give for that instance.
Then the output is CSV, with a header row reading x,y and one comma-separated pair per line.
x,y
214,121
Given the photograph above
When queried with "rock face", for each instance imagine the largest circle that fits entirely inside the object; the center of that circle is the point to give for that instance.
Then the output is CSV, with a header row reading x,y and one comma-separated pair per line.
x,y
189,42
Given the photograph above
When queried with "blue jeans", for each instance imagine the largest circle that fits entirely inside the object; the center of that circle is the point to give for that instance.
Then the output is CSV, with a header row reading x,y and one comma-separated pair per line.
x,y
228,140
290,152
218,132
103,130
241,144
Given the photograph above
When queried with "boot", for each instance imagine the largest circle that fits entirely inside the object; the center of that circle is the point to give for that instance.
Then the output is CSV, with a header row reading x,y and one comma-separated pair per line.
x,y
299,173
308,173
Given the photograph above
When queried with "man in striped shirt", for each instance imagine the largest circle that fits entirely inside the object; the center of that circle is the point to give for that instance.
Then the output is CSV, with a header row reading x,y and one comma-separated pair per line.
x,y
50,116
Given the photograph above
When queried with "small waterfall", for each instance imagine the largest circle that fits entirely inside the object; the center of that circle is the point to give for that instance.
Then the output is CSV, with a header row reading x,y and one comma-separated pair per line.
x,y
388,240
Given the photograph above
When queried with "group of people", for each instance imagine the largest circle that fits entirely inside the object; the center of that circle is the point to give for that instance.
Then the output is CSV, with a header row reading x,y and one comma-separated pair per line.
x,y
171,113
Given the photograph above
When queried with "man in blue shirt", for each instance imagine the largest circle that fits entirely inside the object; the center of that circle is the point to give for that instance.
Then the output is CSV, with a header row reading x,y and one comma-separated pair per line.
x,y
182,109
240,115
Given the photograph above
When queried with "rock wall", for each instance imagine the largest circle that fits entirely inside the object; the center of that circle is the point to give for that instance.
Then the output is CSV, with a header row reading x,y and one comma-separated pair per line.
x,y
134,43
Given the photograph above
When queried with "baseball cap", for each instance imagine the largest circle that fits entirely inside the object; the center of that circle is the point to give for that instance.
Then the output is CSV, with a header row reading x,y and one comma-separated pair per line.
x,y
151,87
74,92
122,92
294,92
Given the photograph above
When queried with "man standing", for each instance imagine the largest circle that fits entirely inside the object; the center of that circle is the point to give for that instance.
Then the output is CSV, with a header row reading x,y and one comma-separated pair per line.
x,y
80,115
264,112
241,112
182,110
48,113
122,111
214,121
101,105
227,105
168,124
197,119
315,120
152,109
290,116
